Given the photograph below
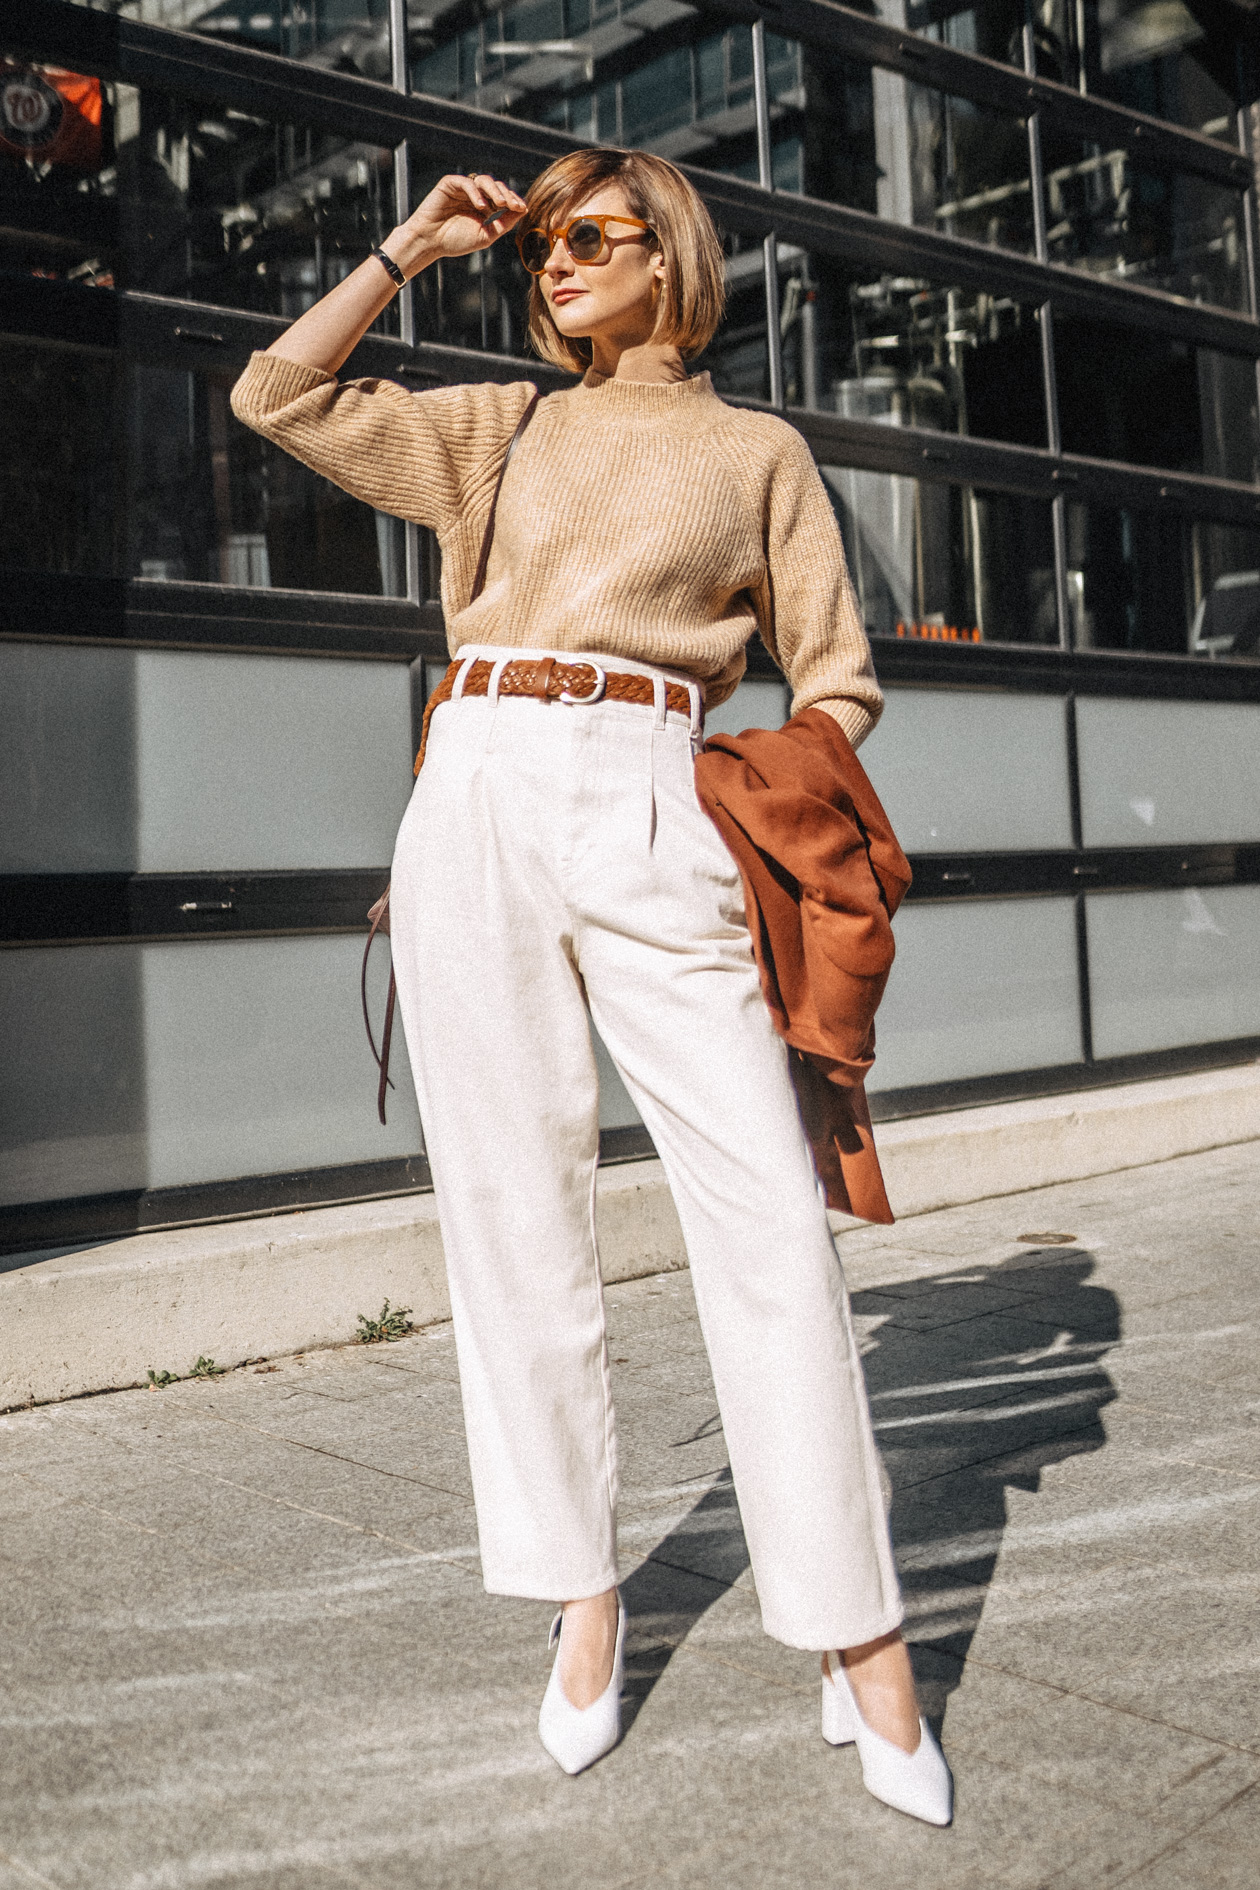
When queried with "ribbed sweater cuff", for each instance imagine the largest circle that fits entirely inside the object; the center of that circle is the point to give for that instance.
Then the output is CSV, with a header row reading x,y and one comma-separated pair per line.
x,y
854,717
270,382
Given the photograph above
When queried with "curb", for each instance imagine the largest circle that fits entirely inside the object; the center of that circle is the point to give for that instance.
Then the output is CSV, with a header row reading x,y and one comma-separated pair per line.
x,y
97,1318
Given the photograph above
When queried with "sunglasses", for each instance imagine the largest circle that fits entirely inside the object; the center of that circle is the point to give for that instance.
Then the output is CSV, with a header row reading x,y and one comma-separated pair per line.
x,y
585,238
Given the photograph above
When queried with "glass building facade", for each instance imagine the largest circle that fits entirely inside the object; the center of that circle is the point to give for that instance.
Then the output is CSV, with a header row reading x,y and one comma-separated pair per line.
x,y
996,262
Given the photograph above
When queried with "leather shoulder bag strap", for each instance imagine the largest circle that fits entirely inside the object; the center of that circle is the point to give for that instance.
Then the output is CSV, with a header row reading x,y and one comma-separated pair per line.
x,y
487,537
379,915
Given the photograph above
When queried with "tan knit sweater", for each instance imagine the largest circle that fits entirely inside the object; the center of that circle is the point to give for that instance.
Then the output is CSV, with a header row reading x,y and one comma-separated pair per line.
x,y
639,519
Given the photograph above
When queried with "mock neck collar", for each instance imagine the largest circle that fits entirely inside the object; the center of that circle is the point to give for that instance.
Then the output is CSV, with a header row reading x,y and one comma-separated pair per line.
x,y
647,397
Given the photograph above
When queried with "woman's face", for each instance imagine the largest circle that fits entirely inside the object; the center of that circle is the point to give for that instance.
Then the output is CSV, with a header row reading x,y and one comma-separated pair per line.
x,y
616,297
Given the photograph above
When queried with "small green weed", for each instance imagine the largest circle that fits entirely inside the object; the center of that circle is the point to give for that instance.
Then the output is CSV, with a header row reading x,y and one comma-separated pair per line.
x,y
158,1381
206,1368
394,1323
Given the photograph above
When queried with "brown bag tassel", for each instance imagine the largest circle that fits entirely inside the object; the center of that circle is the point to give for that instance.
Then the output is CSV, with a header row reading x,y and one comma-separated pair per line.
x,y
378,915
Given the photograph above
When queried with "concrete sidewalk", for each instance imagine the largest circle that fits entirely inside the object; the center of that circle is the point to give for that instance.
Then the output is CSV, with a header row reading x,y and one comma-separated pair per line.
x,y
243,1640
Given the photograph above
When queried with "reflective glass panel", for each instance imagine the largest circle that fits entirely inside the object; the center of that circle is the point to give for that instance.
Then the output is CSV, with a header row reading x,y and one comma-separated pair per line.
x,y
656,74
479,301
1109,217
1155,56
115,187
737,357
1153,400
1142,581
60,490
908,153
908,351
946,563
967,166
994,28
211,501
350,35
110,468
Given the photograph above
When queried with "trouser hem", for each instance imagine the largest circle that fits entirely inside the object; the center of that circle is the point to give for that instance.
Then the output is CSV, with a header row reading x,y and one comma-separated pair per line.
x,y
581,1589
844,1633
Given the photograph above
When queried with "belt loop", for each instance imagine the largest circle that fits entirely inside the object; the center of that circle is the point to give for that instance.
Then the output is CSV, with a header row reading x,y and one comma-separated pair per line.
x,y
492,686
658,699
697,715
457,689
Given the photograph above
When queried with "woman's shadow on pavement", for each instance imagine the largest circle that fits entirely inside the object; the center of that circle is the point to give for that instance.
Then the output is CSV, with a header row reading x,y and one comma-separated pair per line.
x,y
979,1379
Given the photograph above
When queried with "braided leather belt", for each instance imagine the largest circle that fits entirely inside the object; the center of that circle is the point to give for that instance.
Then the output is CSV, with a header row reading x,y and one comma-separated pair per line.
x,y
547,680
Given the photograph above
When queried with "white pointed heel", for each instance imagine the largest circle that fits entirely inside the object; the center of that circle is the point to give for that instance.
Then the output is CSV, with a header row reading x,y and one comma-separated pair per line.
x,y
839,1714
919,1783
577,1736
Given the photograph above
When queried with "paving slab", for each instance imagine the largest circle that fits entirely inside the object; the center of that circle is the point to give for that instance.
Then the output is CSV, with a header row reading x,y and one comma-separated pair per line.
x,y
244,1642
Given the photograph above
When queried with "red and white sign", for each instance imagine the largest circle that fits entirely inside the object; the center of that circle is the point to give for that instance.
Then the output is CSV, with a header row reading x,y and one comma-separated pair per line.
x,y
50,116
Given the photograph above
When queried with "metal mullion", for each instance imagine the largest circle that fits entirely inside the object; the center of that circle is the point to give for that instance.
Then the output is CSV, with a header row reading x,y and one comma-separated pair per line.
x,y
1084,996
400,78
769,247
1045,326
1245,69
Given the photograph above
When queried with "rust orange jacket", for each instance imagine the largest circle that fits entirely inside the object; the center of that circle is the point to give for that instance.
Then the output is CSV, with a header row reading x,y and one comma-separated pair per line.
x,y
823,875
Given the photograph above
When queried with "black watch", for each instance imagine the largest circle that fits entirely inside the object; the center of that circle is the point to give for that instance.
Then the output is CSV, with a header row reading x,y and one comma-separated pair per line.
x,y
391,268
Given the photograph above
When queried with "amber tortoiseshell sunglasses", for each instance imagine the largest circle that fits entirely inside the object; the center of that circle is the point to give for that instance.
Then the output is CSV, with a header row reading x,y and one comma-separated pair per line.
x,y
585,238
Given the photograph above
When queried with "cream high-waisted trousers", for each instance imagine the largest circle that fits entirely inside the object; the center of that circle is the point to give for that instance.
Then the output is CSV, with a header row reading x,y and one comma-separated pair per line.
x,y
555,857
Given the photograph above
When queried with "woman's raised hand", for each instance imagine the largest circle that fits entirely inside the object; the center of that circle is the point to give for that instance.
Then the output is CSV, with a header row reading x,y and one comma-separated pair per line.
x,y
459,215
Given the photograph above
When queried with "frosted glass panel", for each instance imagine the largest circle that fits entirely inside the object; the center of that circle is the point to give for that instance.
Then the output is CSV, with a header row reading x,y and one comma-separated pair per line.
x,y
67,759
72,1095
158,761
616,1111
757,703
962,771
1168,773
978,988
132,1066
257,762
1170,968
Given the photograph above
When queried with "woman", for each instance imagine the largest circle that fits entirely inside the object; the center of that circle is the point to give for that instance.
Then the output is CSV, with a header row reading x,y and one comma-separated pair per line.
x,y
554,857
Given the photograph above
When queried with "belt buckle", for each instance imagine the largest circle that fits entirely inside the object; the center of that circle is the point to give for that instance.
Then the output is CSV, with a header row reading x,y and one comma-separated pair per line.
x,y
601,684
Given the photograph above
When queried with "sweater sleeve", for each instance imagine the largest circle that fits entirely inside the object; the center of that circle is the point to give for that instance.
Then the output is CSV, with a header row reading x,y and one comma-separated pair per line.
x,y
425,457
806,610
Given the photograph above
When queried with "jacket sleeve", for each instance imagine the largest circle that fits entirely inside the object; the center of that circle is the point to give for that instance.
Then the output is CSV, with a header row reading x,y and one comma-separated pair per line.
x,y
806,610
420,456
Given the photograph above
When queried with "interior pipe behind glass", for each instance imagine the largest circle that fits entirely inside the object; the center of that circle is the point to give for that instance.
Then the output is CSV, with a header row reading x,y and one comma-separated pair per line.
x,y
770,248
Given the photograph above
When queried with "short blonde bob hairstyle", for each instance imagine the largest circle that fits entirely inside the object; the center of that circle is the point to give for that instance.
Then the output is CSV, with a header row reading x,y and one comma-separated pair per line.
x,y
694,291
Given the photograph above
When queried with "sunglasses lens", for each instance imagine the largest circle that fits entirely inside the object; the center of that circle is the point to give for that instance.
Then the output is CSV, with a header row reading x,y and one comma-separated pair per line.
x,y
535,249
584,241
